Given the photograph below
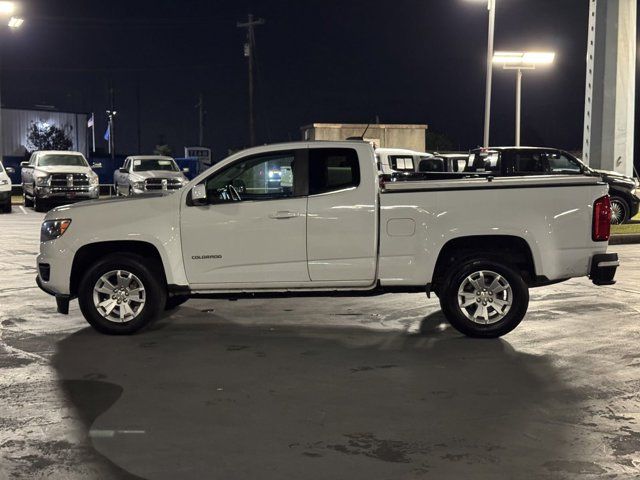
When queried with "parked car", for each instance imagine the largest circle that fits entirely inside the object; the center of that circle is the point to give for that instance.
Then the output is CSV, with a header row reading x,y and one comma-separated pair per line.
x,y
394,160
60,177
444,162
338,229
5,189
148,173
623,190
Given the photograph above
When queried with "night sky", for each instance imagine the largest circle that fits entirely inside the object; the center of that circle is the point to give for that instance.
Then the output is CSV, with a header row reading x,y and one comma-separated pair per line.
x,y
404,61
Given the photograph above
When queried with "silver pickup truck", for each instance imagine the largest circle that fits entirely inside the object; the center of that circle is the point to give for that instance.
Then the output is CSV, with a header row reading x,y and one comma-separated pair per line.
x,y
148,173
57,177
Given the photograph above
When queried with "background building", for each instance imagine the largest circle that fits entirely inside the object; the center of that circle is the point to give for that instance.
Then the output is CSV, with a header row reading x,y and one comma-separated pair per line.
x,y
16,124
407,136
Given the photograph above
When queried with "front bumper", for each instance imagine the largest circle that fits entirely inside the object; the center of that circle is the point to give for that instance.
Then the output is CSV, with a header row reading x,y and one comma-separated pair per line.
x,y
68,193
603,268
62,301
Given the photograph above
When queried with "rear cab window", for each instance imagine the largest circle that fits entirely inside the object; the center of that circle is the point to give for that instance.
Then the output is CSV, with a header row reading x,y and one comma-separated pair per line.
x,y
484,161
402,163
332,169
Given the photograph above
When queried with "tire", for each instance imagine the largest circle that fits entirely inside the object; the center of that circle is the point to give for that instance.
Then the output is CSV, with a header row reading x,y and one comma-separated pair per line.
x,y
619,211
175,301
39,205
27,202
135,272
472,320
6,208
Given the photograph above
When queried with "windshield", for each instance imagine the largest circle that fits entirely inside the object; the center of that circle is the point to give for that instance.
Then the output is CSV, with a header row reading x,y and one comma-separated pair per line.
x,y
62,161
154,164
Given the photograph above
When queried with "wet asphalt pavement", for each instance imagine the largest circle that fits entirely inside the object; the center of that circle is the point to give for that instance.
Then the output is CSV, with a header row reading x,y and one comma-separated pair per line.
x,y
317,388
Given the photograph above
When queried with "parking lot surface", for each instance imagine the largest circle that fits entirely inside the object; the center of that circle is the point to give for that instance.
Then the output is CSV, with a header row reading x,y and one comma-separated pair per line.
x,y
316,388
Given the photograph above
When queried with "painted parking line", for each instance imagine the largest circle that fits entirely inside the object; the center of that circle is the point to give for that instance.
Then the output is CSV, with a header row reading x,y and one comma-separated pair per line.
x,y
23,210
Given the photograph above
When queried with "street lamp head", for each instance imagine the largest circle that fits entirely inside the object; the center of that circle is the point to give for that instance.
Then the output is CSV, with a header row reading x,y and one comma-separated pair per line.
x,y
15,22
523,59
7,8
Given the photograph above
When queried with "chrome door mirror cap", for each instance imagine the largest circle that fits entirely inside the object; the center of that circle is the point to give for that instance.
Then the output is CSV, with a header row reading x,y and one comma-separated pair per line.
x,y
199,192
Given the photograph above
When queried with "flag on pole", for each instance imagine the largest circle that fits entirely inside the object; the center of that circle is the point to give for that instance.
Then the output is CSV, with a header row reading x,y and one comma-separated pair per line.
x,y
107,134
90,121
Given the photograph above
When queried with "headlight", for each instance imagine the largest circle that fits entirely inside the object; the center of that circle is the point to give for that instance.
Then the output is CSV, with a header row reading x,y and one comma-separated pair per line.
x,y
43,181
138,185
52,229
4,182
93,181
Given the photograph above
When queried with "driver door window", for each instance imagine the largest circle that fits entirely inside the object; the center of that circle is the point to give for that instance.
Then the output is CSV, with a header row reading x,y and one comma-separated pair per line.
x,y
264,177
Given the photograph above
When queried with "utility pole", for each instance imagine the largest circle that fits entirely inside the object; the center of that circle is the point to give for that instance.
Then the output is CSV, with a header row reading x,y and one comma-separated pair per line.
x,y
200,107
248,53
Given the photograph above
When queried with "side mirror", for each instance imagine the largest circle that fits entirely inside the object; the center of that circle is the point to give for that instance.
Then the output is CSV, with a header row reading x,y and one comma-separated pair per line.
x,y
185,169
199,194
24,164
96,166
123,170
10,170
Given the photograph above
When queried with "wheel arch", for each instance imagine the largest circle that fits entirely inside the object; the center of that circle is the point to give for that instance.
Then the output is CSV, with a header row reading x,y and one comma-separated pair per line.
x,y
509,249
91,252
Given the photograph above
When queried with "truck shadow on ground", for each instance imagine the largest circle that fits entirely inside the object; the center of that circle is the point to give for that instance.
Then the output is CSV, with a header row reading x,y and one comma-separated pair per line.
x,y
216,399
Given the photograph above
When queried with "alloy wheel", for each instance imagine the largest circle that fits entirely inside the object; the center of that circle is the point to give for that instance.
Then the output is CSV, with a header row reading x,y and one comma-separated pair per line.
x,y
119,296
485,297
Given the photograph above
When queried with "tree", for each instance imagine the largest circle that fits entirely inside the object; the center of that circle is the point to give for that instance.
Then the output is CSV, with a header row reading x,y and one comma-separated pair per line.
x,y
438,142
44,136
164,150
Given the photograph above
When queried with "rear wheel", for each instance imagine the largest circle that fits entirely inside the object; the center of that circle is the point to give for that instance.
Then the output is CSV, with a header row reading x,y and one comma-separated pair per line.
x,y
484,298
121,294
619,211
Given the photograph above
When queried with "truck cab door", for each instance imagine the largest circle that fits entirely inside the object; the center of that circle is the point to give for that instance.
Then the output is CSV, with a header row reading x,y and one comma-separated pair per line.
x,y
342,215
251,230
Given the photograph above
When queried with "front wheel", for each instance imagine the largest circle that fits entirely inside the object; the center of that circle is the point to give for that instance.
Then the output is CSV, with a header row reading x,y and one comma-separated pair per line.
x,y
121,294
484,298
39,205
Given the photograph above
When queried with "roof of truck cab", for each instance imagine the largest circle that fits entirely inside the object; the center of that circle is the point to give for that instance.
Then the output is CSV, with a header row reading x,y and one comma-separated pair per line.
x,y
401,151
150,157
58,152
514,148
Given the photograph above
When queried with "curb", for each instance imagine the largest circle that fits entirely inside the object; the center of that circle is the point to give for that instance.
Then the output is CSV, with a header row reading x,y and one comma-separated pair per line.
x,y
624,239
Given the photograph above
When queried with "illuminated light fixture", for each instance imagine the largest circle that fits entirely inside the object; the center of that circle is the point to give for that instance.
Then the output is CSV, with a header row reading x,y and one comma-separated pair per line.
x,y
523,59
15,22
520,61
7,8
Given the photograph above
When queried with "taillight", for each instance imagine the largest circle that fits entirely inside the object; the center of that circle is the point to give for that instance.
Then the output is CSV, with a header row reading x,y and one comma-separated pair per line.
x,y
601,219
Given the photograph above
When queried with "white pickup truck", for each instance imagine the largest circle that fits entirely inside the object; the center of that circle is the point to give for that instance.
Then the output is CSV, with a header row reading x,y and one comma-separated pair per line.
x,y
477,243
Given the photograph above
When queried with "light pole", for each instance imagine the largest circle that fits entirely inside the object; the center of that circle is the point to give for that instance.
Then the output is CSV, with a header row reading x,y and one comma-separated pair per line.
x,y
491,7
520,61
8,9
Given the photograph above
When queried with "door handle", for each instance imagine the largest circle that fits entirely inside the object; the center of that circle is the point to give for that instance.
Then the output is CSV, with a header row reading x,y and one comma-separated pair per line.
x,y
283,214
